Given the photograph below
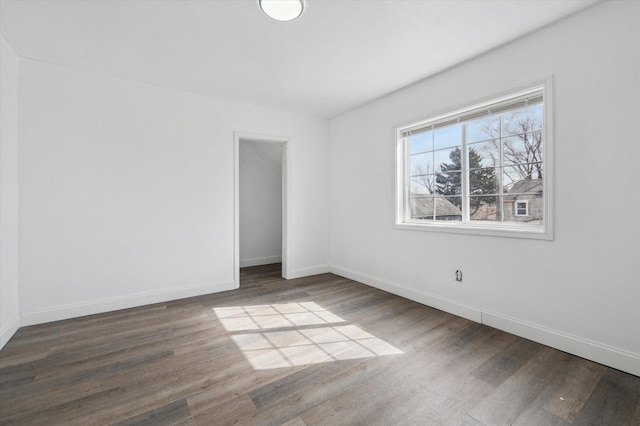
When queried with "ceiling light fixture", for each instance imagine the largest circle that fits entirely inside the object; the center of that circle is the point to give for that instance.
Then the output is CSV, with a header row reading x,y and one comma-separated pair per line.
x,y
282,10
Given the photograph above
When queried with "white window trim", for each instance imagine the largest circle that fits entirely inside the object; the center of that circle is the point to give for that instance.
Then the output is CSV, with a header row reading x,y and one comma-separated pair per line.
x,y
526,208
513,230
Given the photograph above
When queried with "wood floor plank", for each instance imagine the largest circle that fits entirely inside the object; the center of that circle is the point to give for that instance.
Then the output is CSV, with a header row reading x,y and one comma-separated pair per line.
x,y
636,417
296,383
572,382
414,391
11,360
233,411
322,388
215,394
467,420
296,421
359,356
578,382
500,367
167,414
614,401
536,414
364,408
520,389
62,411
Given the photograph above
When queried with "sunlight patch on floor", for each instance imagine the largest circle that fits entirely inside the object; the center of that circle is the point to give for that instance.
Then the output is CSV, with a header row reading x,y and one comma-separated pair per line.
x,y
240,318
307,334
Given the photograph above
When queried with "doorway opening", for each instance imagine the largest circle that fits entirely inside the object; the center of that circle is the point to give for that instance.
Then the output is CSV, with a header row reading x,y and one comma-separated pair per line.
x,y
261,195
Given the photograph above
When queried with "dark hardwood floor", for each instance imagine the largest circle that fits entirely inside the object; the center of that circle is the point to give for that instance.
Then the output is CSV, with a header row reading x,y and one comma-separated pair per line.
x,y
321,350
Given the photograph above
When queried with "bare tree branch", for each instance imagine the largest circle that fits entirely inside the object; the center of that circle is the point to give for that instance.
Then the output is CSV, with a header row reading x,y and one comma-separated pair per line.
x,y
522,149
423,175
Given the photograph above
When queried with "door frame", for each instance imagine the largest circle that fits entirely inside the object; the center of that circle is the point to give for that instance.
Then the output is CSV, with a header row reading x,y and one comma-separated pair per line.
x,y
286,190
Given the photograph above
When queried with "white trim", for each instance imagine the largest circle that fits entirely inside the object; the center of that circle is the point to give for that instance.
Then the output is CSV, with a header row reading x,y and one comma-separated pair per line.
x,y
512,231
515,230
605,354
286,206
124,302
309,270
548,153
236,211
608,355
286,193
454,307
257,261
9,330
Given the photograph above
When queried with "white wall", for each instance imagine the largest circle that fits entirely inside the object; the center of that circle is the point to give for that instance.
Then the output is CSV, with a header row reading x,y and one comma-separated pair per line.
x,y
260,192
9,291
580,292
126,191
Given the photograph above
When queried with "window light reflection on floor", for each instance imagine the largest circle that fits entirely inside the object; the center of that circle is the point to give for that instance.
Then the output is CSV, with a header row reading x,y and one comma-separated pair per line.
x,y
274,316
306,334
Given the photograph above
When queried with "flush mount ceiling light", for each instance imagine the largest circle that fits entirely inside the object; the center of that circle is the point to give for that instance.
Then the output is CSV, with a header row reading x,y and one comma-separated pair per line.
x,y
282,10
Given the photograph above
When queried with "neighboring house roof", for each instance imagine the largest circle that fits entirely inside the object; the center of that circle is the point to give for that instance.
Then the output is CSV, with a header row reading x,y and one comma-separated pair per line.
x,y
529,186
423,207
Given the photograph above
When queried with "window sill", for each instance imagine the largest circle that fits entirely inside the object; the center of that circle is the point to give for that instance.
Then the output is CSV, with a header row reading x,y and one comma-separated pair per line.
x,y
493,230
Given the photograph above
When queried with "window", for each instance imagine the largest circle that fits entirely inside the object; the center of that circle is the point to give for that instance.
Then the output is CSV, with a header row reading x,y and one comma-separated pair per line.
x,y
482,169
522,208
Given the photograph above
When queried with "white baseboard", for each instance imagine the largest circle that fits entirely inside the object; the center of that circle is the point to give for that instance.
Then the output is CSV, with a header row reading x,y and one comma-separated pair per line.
x,y
257,261
447,305
308,271
113,304
585,348
9,330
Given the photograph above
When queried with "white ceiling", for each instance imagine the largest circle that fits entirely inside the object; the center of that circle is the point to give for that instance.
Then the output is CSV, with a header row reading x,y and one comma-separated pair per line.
x,y
339,54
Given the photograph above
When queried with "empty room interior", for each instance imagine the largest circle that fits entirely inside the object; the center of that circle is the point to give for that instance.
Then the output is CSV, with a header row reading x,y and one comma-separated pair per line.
x,y
306,212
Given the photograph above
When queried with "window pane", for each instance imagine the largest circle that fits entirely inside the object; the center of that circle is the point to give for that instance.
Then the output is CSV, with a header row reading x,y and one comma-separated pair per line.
x,y
448,183
483,181
448,208
446,137
516,179
422,185
484,209
421,164
421,208
484,154
421,142
524,148
522,120
535,207
447,159
521,208
483,129
494,151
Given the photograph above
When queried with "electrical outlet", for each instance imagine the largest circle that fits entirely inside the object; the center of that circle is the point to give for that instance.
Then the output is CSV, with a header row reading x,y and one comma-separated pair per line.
x,y
459,275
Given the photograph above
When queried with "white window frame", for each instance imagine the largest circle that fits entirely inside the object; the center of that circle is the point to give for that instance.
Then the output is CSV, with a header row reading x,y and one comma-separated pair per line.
x,y
499,229
526,208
